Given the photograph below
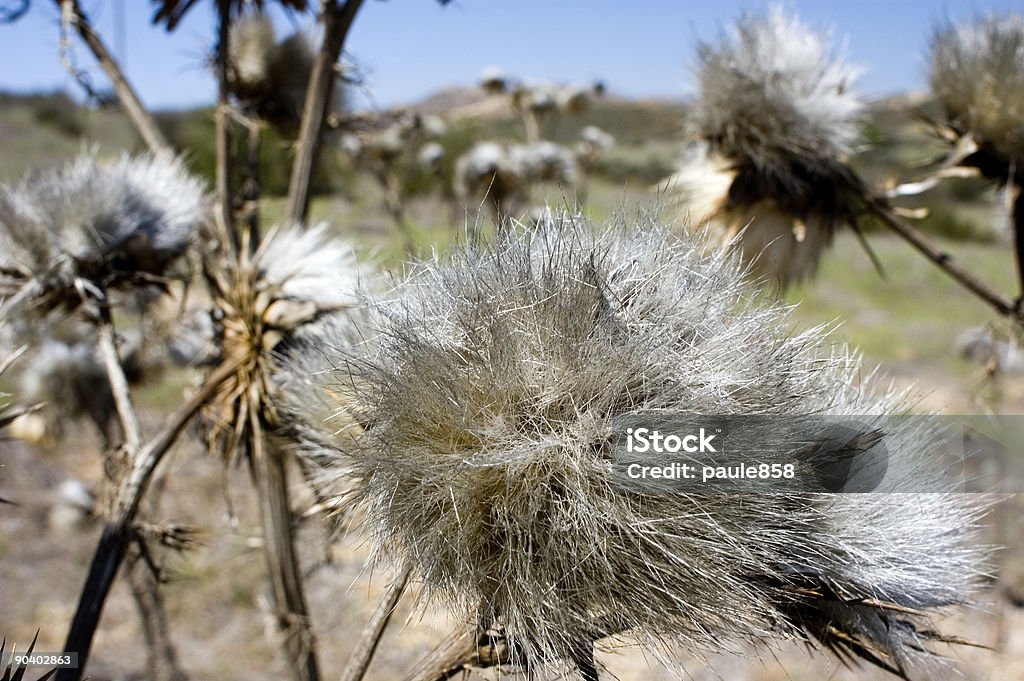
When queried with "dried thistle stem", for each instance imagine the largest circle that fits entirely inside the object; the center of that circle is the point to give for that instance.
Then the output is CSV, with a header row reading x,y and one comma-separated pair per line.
x,y
161,658
292,615
110,551
138,114
374,629
107,347
1003,305
224,217
336,20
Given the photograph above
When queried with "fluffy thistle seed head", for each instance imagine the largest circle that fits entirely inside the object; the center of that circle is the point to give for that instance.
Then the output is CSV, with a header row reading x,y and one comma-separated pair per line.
x,y
774,119
72,383
486,410
545,162
772,94
977,72
268,76
487,170
493,80
98,224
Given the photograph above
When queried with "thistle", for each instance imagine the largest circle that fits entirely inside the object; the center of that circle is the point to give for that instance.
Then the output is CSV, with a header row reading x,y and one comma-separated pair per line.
x,y
263,304
69,235
503,175
268,76
777,117
977,74
486,403
486,172
545,162
70,381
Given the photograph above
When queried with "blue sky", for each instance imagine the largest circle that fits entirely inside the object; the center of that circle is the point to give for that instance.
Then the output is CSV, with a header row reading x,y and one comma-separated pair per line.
x,y
409,48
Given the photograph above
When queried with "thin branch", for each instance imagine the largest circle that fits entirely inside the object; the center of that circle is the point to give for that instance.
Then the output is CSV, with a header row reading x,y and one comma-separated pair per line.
x,y
336,21
884,212
110,550
73,15
161,658
253,188
374,629
118,383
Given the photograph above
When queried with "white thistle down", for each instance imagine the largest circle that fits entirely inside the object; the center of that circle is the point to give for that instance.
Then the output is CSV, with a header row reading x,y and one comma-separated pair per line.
x,y
772,90
93,225
977,73
486,402
777,115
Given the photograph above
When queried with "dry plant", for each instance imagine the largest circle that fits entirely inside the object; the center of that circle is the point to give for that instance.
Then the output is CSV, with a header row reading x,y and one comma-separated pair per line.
x,y
502,176
776,116
262,305
80,242
977,74
269,77
774,122
539,104
486,399
73,236
392,154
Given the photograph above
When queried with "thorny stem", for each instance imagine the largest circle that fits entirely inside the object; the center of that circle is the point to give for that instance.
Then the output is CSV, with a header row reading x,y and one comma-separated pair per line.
x,y
336,21
374,629
110,550
224,211
72,14
291,613
881,209
252,187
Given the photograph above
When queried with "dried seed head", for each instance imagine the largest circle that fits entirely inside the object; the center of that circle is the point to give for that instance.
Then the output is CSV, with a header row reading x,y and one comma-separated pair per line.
x,y
776,117
771,93
267,76
71,382
486,170
545,162
296,280
493,80
486,403
977,72
95,225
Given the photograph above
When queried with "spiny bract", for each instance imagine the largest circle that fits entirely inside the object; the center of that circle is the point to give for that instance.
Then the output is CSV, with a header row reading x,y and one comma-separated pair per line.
x,y
486,401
